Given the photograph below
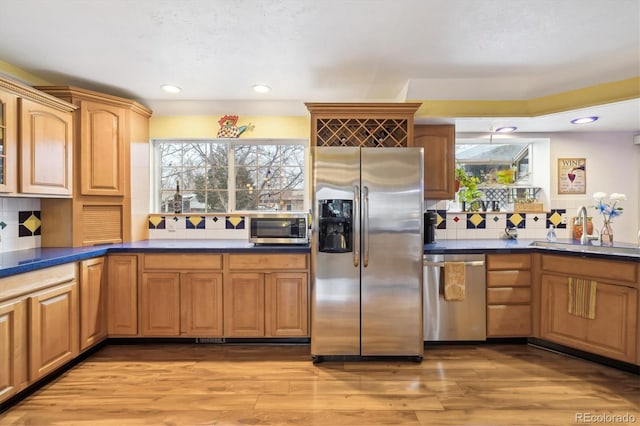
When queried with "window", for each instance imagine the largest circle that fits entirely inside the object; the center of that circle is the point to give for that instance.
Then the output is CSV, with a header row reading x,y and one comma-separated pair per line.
x,y
488,162
230,175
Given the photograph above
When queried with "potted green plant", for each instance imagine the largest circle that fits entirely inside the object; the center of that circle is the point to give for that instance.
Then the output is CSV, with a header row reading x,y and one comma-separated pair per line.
x,y
469,194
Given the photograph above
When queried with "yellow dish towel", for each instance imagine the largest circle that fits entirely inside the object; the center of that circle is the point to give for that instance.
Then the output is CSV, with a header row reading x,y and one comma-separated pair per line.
x,y
454,281
582,297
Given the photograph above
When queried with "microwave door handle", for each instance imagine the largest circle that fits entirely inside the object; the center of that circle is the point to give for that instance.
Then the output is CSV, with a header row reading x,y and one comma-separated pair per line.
x,y
365,226
356,226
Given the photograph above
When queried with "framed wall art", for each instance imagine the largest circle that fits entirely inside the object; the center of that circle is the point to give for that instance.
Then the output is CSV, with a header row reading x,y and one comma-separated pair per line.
x,y
572,175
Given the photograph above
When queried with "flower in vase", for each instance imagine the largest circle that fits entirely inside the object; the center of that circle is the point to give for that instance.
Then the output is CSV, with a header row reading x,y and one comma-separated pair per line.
x,y
609,209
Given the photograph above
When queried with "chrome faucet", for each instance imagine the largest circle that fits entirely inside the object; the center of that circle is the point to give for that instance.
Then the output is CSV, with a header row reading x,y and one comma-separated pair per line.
x,y
585,238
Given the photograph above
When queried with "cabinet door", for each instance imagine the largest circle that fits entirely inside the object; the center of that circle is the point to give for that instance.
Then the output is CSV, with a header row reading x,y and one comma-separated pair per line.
x,y
122,295
45,149
102,147
508,320
244,305
201,304
93,295
8,141
13,348
53,329
286,304
160,304
438,142
612,333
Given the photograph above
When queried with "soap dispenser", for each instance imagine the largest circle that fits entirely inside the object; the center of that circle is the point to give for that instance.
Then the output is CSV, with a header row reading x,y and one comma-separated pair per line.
x,y
551,234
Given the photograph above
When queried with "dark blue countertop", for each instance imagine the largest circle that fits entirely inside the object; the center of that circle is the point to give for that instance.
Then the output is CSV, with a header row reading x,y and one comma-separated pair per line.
x,y
16,262
620,251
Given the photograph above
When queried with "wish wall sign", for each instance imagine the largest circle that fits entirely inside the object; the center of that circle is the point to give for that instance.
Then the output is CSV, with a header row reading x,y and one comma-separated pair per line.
x,y
572,175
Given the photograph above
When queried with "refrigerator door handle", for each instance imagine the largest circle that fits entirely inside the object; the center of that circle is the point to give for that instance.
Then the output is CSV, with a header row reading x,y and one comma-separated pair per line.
x,y
365,226
356,226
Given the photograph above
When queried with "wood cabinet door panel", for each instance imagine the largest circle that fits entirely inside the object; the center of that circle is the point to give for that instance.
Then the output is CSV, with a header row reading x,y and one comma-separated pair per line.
x,y
508,321
497,262
102,165
438,142
508,278
508,295
93,295
286,304
201,304
182,261
262,262
53,329
613,331
160,304
609,270
244,305
122,295
8,141
13,349
46,147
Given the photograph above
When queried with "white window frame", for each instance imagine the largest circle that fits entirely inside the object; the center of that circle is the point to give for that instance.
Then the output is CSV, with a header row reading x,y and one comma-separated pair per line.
x,y
156,178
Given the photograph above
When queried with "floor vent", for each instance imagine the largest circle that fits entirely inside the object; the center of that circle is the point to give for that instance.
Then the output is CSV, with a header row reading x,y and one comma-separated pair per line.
x,y
210,340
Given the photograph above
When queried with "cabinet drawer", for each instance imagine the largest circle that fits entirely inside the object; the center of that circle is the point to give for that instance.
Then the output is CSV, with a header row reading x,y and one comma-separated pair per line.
x,y
508,321
267,262
508,261
508,278
506,295
592,268
182,261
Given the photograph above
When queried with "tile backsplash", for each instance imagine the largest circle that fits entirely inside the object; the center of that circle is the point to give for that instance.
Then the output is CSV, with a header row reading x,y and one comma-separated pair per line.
x,y
197,226
19,224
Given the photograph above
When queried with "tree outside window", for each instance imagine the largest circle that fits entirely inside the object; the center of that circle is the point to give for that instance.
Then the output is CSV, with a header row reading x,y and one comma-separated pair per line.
x,y
221,176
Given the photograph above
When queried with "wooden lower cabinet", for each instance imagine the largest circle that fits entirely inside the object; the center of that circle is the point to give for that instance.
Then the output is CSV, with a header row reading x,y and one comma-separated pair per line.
x,y
244,304
160,304
13,348
509,295
286,306
93,302
201,304
612,333
122,295
266,304
53,328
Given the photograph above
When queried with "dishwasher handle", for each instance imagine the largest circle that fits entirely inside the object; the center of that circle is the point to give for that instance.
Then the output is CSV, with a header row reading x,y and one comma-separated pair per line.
x,y
441,264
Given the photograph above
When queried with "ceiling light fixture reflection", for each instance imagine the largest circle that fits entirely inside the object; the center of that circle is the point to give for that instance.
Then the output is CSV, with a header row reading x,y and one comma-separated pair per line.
x,y
506,129
170,88
584,120
261,88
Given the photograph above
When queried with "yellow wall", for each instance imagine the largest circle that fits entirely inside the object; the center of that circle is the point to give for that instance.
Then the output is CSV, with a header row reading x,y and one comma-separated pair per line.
x,y
207,127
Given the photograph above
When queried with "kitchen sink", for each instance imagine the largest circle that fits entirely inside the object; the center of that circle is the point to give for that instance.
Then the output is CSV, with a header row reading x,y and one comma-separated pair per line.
x,y
634,251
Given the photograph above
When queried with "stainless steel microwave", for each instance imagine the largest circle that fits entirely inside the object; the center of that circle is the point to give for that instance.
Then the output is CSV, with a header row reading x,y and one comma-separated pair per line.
x,y
278,228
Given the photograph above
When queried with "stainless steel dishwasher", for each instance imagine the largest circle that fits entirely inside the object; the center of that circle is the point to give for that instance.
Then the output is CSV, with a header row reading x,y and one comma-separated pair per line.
x,y
455,320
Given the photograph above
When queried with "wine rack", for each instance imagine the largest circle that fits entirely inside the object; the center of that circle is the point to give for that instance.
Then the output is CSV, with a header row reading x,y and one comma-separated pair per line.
x,y
362,125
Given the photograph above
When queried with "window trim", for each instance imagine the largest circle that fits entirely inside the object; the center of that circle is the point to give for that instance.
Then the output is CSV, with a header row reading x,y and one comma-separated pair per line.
x,y
155,175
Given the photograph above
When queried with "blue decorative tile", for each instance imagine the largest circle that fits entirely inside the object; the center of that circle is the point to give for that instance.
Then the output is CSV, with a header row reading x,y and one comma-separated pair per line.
x,y
195,222
519,220
30,224
157,222
234,222
442,219
555,216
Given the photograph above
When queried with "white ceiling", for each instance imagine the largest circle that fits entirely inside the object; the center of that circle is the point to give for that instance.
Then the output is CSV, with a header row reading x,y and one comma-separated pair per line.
x,y
331,51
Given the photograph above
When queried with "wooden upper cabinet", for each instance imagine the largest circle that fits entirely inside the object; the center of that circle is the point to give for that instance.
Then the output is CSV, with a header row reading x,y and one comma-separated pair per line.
x,y
46,136
438,142
102,142
8,141
362,124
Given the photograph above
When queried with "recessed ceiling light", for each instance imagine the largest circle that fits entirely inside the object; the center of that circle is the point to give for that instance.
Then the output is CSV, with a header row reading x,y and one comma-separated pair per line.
x,y
584,120
506,129
170,88
261,88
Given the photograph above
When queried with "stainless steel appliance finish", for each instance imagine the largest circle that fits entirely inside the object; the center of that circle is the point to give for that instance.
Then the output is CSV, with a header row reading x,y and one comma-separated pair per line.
x,y
278,228
367,300
455,320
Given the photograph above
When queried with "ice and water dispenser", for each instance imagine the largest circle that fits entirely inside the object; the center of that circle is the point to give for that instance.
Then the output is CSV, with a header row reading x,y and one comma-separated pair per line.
x,y
336,226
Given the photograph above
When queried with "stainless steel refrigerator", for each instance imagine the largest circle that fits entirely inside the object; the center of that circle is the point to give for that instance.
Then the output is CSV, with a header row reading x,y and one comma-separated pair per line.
x,y
367,247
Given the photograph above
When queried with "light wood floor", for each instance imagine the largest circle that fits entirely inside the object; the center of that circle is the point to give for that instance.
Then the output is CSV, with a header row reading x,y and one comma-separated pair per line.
x,y
186,384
